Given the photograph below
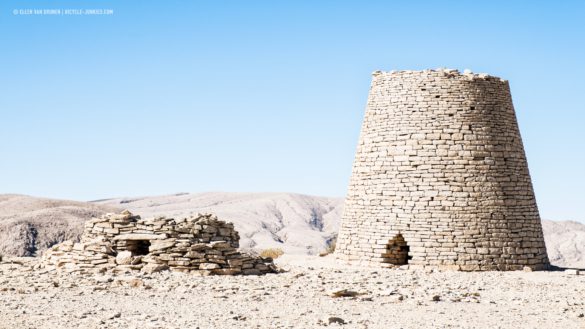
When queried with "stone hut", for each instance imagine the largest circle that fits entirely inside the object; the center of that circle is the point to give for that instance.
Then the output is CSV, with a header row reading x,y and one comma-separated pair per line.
x,y
440,177
125,242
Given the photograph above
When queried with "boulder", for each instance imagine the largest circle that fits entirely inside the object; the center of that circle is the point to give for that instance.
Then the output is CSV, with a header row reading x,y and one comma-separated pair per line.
x,y
124,258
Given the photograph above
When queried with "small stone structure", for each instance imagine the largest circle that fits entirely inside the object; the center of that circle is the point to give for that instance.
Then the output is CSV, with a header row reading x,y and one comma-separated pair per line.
x,y
124,242
440,177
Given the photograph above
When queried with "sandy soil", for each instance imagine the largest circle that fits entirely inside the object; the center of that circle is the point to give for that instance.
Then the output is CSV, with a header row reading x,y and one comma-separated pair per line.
x,y
299,298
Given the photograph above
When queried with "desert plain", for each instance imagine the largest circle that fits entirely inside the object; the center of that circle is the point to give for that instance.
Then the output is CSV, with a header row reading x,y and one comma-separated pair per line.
x,y
310,292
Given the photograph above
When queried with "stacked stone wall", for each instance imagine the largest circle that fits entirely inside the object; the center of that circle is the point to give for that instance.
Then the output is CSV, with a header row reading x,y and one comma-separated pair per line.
x,y
440,161
124,242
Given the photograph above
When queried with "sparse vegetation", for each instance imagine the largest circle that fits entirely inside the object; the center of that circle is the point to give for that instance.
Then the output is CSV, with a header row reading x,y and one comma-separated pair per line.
x,y
330,247
271,253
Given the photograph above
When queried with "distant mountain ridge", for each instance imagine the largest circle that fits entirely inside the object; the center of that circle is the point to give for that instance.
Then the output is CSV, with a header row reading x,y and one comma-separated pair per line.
x,y
29,225
296,223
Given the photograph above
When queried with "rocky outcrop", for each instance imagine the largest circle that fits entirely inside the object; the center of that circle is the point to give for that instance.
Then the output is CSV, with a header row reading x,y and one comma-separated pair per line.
x,y
125,242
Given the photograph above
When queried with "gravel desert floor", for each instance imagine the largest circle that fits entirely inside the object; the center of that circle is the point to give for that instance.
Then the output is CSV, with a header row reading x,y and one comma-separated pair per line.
x,y
312,292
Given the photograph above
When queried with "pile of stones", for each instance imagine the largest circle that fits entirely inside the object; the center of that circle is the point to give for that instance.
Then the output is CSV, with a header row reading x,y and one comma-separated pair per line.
x,y
124,242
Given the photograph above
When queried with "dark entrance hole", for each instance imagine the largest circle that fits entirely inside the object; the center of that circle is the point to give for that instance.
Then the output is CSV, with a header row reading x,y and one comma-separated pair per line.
x,y
396,251
138,247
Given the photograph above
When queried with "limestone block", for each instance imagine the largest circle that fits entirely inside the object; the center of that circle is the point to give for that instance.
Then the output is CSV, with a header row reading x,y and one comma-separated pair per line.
x,y
156,245
140,236
124,258
208,266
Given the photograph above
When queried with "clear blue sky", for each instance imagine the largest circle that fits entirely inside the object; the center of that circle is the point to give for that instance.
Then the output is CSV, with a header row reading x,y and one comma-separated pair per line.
x,y
172,96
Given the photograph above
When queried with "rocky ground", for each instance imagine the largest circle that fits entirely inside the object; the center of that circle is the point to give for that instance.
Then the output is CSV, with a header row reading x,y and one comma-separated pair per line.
x,y
314,292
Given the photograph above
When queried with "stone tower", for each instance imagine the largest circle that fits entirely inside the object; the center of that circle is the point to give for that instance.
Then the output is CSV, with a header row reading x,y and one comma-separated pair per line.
x,y
440,177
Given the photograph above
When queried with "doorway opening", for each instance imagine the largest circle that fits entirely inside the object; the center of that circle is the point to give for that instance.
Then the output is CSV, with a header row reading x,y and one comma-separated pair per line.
x,y
396,251
138,247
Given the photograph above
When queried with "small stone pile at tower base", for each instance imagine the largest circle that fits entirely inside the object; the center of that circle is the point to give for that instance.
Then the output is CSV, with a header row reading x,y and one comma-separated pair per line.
x,y
440,177
124,242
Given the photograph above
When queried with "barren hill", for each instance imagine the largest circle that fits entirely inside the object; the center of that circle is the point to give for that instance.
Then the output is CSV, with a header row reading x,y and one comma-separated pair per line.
x,y
565,242
29,225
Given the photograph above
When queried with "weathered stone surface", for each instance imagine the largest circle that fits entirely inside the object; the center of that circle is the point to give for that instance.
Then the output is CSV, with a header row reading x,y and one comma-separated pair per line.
x,y
139,236
208,266
124,258
153,268
161,244
440,177
201,243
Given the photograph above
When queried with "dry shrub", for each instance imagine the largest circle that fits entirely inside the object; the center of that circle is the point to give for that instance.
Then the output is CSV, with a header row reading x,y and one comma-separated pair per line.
x,y
330,247
135,283
271,253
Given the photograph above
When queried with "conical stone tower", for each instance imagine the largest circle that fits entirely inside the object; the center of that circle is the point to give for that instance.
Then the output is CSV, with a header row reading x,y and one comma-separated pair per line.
x,y
440,177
